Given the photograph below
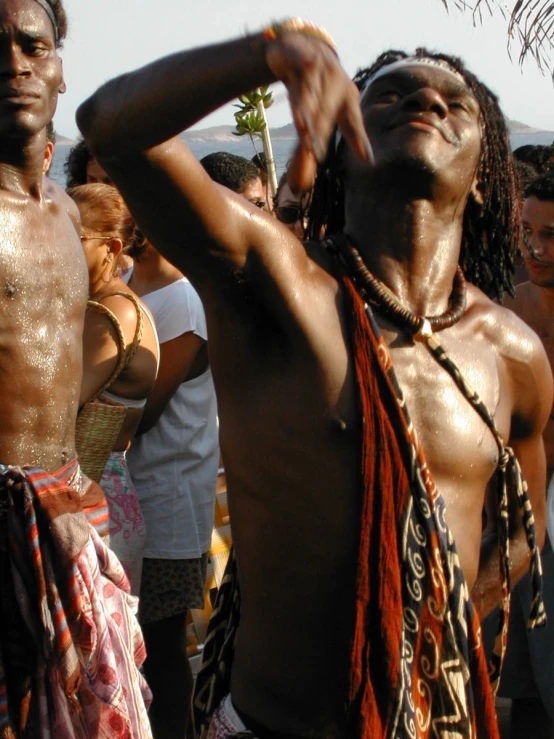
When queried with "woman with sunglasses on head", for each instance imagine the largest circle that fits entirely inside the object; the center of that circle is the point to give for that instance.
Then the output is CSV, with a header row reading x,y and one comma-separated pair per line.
x,y
120,351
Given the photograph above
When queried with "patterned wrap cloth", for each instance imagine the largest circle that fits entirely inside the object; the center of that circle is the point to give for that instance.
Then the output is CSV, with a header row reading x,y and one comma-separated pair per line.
x,y
70,645
126,522
418,667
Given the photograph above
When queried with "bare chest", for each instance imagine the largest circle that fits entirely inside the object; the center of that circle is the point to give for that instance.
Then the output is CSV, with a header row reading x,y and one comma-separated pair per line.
x,y
42,267
459,446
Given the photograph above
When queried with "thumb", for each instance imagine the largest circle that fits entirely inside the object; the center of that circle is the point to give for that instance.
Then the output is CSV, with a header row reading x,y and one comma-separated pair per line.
x,y
302,170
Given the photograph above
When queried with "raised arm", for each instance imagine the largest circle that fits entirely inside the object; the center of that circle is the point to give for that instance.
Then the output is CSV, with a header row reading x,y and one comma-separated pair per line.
x,y
129,124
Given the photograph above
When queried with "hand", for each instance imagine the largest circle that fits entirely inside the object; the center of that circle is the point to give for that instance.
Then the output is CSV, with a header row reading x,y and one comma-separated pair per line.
x,y
321,95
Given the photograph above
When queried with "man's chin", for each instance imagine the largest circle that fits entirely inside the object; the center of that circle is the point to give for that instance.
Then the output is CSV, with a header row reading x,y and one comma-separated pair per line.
x,y
545,280
403,169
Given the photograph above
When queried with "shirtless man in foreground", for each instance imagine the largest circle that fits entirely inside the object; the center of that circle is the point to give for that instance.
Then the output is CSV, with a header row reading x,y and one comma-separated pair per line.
x,y
285,356
45,680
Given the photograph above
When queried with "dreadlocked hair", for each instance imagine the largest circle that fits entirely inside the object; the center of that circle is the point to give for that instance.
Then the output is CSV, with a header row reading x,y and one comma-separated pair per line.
x,y
490,234
61,19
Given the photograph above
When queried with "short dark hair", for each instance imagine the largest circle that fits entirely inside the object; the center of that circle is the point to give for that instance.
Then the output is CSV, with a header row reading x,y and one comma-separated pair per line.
x,y
490,234
61,20
525,174
230,170
75,166
542,188
539,156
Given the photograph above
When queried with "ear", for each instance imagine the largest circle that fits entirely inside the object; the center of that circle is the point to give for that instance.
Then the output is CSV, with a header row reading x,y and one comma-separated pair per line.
x,y
63,87
115,247
475,191
48,154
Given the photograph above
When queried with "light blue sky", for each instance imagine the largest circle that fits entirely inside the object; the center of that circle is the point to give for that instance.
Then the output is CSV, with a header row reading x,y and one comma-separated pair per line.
x,y
108,37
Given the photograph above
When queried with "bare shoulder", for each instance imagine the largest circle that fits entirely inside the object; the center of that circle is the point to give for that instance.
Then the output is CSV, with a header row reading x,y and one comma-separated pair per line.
x,y
59,199
125,312
522,360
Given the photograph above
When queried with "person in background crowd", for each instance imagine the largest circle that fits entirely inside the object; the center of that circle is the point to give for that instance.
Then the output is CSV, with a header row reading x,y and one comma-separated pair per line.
x,y
174,463
106,229
238,174
528,674
81,168
291,209
537,156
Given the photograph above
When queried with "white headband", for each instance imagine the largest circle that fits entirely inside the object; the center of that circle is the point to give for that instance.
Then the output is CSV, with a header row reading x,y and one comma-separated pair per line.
x,y
413,61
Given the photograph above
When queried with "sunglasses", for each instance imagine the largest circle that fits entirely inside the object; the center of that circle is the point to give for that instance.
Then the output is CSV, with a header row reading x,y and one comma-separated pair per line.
x,y
288,213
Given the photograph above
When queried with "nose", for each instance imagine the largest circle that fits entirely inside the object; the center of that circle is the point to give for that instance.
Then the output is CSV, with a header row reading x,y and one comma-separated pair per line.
x,y
13,62
426,99
534,245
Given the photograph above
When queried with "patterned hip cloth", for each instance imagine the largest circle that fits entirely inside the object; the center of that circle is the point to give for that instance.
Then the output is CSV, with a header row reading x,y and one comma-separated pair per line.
x,y
226,723
127,527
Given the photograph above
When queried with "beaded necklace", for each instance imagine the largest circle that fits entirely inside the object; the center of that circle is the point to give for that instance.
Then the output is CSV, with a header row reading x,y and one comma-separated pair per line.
x,y
420,328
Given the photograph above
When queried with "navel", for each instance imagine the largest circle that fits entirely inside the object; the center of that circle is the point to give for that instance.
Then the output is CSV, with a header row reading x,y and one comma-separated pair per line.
x,y
10,290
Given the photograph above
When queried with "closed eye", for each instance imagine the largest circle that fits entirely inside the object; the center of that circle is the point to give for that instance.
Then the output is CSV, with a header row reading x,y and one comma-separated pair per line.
x,y
387,96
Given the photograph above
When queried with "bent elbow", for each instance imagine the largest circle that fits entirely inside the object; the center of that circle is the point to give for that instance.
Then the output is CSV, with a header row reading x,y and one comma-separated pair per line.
x,y
97,119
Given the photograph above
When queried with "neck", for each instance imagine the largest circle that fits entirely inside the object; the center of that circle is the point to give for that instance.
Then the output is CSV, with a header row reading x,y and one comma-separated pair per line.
x,y
545,296
152,272
101,286
21,164
412,246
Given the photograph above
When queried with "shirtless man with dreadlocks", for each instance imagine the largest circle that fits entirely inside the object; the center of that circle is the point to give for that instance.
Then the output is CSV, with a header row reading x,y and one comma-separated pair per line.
x,y
357,541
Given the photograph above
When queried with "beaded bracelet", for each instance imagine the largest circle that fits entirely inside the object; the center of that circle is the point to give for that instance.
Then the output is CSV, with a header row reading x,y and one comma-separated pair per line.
x,y
297,25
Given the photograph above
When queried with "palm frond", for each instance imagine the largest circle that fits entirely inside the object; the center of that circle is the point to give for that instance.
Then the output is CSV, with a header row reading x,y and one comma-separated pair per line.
x,y
530,25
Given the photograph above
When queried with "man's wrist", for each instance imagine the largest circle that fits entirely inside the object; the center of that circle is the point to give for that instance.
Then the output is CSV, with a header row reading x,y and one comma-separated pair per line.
x,y
298,25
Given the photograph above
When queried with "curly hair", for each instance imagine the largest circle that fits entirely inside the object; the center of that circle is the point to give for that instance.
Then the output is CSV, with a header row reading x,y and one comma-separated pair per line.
x,y
490,231
542,187
540,157
75,166
230,170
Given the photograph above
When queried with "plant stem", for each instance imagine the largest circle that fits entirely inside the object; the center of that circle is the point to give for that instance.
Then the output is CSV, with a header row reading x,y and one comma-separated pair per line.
x,y
268,150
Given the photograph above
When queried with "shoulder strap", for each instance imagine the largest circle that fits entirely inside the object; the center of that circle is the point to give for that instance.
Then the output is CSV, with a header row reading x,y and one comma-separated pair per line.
x,y
442,358
510,481
125,353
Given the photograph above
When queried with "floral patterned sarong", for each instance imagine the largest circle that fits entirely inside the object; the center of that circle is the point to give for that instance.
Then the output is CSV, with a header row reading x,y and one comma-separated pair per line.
x,y
70,646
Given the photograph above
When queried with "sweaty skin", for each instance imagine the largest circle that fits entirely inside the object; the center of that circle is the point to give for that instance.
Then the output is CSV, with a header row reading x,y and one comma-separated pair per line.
x,y
289,421
43,276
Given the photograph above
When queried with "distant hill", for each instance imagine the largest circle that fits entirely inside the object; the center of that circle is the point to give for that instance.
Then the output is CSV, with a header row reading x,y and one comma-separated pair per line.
x,y
282,133
64,140
288,133
518,127
225,133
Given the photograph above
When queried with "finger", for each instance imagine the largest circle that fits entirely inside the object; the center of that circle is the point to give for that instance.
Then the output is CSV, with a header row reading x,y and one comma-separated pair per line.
x,y
302,170
352,128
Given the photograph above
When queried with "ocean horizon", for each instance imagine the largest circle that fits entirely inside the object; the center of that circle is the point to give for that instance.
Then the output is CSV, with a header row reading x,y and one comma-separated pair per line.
x,y
282,150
